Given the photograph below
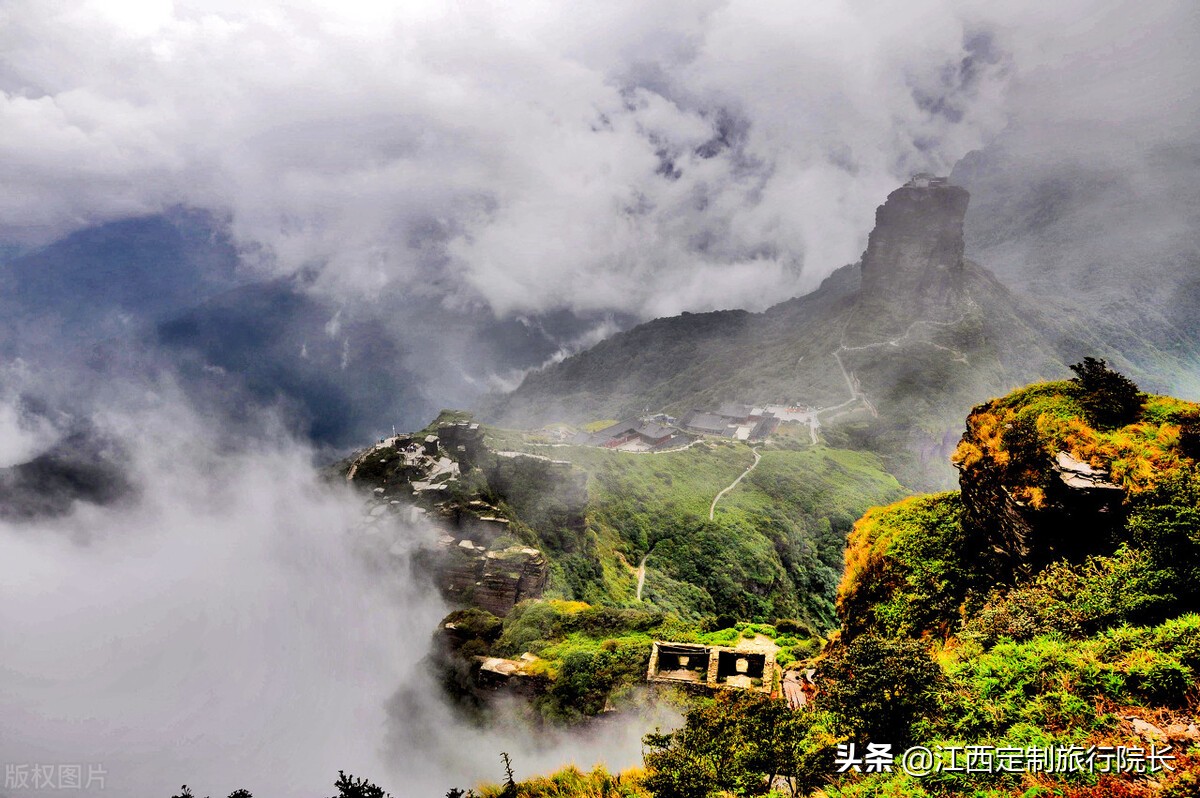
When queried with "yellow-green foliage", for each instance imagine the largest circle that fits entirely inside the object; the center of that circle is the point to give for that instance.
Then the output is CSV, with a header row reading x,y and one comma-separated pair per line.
x,y
911,567
571,782
551,628
907,570
873,534
1058,684
1139,455
1061,656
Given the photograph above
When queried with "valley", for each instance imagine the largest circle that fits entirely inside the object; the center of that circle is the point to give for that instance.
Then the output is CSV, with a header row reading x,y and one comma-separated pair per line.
x,y
600,400
736,516
1049,604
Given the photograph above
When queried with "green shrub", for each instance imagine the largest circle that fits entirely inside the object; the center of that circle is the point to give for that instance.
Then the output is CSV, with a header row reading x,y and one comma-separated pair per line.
x,y
473,648
1181,638
1075,600
1165,523
1059,710
474,622
910,568
795,627
1161,679
528,623
879,688
736,743
722,638
807,648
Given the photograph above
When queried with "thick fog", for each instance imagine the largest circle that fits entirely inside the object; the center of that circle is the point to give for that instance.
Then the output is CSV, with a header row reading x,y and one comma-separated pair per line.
x,y
233,623
538,156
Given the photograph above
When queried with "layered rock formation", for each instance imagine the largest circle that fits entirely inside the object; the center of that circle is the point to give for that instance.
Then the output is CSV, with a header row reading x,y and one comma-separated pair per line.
x,y
1030,509
913,266
495,580
449,477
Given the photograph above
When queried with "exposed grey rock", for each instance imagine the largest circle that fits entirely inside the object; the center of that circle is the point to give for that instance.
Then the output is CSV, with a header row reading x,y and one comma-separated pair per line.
x,y
1079,515
491,580
914,257
1081,476
1147,731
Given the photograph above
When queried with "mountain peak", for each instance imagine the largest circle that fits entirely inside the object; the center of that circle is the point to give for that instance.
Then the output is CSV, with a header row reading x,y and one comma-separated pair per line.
x,y
915,253
893,352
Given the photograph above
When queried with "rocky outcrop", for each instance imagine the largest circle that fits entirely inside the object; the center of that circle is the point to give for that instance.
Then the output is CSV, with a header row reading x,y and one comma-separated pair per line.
x,y
547,495
463,440
1080,476
913,267
1078,511
490,579
1003,525
478,560
511,675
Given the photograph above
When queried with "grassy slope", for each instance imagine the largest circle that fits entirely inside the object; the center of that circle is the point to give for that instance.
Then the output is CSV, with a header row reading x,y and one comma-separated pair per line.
x,y
593,657
772,550
1064,657
1061,657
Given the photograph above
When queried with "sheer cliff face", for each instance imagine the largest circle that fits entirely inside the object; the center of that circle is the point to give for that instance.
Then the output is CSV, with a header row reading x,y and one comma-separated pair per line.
x,y
913,267
897,348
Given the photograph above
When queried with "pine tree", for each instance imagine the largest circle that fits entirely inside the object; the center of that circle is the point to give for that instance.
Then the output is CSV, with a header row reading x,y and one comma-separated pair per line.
x,y
1110,398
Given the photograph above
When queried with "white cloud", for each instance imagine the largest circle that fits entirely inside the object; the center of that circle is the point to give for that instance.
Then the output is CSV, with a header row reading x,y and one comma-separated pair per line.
x,y
229,624
536,155
239,623
21,437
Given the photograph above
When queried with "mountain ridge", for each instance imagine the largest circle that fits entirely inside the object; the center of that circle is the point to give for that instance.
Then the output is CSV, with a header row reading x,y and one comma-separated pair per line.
x,y
889,350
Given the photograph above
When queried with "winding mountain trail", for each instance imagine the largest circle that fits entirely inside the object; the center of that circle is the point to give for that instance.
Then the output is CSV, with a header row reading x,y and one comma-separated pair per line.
x,y
641,568
713,509
895,342
852,383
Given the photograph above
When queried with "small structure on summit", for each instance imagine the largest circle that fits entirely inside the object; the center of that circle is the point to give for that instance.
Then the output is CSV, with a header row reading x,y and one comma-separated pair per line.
x,y
927,180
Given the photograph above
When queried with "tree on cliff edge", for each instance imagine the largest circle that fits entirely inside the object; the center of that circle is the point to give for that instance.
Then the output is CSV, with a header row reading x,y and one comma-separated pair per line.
x,y
1110,398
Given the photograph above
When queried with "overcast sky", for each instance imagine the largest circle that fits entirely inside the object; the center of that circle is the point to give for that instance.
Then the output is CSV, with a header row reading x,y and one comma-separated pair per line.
x,y
649,158
623,156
